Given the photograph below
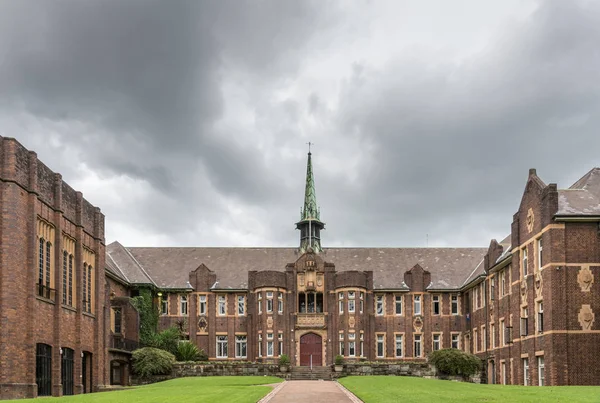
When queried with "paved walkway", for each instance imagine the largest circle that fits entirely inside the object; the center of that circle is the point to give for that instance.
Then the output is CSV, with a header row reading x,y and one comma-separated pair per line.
x,y
309,392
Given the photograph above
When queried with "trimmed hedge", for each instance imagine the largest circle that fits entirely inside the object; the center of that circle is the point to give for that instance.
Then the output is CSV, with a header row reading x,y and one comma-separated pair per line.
x,y
451,361
150,361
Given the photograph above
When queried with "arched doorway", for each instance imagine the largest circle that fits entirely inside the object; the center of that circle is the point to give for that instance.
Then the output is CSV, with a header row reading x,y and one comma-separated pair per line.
x,y
311,350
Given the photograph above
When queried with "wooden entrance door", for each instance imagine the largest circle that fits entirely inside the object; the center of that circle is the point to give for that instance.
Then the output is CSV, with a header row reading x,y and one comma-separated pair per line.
x,y
311,346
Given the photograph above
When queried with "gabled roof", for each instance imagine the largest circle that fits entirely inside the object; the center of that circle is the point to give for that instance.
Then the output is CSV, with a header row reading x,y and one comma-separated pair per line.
x,y
582,198
121,263
170,267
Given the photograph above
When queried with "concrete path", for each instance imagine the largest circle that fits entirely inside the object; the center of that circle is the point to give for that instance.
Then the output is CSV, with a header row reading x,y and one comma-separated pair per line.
x,y
310,392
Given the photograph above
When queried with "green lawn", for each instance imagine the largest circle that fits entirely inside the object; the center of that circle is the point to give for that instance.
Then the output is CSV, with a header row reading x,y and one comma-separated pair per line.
x,y
238,389
406,389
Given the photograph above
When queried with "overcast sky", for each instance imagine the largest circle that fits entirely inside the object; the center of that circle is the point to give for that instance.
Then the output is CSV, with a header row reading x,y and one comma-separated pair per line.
x,y
186,122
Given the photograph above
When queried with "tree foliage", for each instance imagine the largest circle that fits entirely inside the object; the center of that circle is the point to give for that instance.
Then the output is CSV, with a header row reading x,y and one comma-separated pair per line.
x,y
149,361
451,361
167,340
284,359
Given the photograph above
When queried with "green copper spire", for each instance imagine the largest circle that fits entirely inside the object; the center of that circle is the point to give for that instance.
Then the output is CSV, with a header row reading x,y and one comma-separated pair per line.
x,y
310,210
310,224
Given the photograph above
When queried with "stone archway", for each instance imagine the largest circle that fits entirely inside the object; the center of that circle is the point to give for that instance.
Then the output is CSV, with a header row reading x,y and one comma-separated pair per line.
x,y
311,350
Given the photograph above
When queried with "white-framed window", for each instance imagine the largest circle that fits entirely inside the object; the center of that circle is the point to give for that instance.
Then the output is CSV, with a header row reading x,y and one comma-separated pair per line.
x,y
280,302
362,344
379,305
524,260
399,346
416,305
493,334
280,342
418,351
475,340
455,339
526,371
503,372
164,304
269,344
341,350
437,342
269,302
241,305
221,346
540,316
398,303
436,305
341,306
222,303
539,253
492,288
541,371
183,305
502,276
202,305
362,298
380,346
351,344
503,333
241,343
454,300
351,302
259,299
260,344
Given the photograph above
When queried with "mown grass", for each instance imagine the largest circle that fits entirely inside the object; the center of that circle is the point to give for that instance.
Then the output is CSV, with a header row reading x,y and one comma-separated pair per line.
x,y
381,389
235,389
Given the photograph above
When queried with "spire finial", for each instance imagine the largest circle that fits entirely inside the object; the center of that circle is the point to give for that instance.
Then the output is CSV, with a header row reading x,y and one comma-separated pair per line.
x,y
310,144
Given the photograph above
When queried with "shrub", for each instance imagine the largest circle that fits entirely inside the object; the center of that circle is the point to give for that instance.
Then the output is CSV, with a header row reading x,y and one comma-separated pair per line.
x,y
339,360
451,361
167,340
284,359
149,361
187,351
202,355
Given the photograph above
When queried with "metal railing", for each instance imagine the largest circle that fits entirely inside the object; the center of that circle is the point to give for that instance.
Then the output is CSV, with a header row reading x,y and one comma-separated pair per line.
x,y
121,343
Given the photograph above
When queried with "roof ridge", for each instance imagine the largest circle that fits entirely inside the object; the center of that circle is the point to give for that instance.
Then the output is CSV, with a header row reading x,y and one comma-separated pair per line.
x,y
140,266
117,267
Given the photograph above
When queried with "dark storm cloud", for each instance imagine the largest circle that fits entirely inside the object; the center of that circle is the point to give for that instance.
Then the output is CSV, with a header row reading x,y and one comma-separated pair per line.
x,y
453,142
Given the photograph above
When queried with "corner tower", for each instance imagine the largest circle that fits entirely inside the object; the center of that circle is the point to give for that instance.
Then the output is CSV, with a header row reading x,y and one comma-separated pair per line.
x,y
310,224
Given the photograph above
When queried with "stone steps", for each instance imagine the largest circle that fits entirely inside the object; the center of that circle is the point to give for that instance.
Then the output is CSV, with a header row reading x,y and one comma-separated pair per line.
x,y
305,373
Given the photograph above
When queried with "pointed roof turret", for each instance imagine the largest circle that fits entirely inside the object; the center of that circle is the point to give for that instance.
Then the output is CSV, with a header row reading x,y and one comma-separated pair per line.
x,y
310,224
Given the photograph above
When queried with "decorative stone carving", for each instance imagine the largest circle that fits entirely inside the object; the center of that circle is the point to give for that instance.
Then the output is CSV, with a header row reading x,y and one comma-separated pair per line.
x,y
539,284
586,317
270,322
418,324
585,278
530,220
351,322
310,320
202,324
523,293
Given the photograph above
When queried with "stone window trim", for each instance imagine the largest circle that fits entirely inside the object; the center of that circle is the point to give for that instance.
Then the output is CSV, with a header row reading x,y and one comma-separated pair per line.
x,y
241,346
202,304
539,247
524,262
221,305
541,368
455,337
280,302
379,304
399,304
240,305
437,337
454,304
539,317
380,342
436,304
399,337
45,259
164,304
222,350
183,304
417,345
525,363
484,339
417,302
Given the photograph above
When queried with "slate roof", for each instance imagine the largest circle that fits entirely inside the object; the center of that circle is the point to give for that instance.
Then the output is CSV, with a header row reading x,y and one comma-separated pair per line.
x,y
170,267
120,260
582,198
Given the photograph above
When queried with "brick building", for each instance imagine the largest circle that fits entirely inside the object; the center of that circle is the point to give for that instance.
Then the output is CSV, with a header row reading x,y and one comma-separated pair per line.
x,y
526,304
52,254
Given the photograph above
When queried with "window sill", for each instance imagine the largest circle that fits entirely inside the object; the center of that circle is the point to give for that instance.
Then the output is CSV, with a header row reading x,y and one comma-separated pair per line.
x,y
69,308
91,315
46,300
